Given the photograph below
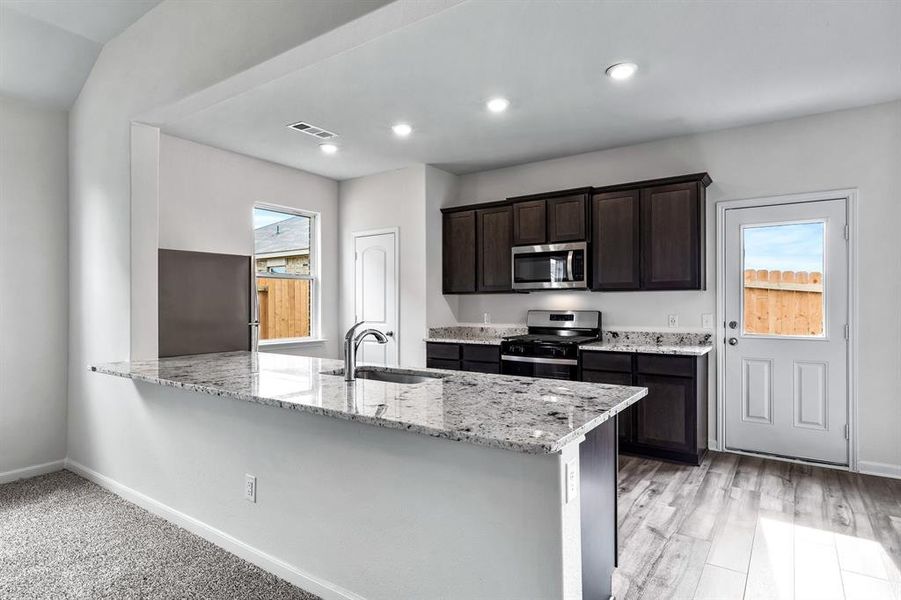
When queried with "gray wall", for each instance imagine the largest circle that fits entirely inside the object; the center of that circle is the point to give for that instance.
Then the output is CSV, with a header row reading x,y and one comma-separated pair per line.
x,y
390,199
206,199
859,148
33,285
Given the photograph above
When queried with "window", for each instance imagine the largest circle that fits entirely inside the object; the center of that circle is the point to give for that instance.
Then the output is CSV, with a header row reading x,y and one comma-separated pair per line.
x,y
783,279
286,273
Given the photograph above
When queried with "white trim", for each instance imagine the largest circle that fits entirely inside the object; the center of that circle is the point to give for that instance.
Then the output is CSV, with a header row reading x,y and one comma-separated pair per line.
x,y
796,461
290,343
32,471
267,562
369,232
879,469
850,196
315,275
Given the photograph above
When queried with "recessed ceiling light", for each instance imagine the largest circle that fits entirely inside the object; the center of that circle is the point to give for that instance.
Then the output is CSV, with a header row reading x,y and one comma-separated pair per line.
x,y
497,105
402,130
621,71
328,148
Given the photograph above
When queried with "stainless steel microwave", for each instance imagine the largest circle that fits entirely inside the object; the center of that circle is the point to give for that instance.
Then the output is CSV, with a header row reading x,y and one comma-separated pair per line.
x,y
550,267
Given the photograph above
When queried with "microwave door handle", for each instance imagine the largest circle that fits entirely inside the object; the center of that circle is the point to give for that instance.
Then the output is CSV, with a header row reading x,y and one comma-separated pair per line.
x,y
569,265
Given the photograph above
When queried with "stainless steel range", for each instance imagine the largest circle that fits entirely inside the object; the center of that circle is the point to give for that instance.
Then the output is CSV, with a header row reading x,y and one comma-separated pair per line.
x,y
551,347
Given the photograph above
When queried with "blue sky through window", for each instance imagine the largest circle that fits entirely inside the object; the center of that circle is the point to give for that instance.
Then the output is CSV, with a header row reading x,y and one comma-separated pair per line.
x,y
795,247
263,217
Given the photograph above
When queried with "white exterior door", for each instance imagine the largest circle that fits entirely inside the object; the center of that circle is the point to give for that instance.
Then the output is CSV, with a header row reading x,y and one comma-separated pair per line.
x,y
786,314
375,294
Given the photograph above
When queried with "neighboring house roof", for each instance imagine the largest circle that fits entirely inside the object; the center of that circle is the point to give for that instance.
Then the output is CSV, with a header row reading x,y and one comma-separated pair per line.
x,y
285,236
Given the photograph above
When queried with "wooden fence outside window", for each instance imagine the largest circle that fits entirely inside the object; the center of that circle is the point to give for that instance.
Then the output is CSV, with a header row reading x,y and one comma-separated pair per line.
x,y
783,302
284,307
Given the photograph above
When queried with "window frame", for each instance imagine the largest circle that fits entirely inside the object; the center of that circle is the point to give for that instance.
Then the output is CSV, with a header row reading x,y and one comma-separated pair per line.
x,y
313,277
742,333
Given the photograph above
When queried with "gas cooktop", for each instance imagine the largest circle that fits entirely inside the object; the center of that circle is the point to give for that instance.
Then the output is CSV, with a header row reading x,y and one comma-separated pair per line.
x,y
533,338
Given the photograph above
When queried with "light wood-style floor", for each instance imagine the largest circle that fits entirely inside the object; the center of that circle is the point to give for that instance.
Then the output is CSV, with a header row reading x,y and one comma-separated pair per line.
x,y
745,527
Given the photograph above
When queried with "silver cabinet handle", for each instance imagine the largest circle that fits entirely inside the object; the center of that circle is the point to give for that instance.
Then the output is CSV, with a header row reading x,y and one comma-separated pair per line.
x,y
733,342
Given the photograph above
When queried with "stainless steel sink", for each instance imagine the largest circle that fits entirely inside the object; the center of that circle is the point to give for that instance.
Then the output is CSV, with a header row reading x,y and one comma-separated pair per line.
x,y
389,376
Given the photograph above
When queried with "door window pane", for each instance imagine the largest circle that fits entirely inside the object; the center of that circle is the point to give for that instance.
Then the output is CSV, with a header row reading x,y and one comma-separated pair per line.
x,y
783,279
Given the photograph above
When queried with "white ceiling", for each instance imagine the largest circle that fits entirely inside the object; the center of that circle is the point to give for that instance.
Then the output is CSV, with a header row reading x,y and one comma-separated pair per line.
x,y
702,66
48,47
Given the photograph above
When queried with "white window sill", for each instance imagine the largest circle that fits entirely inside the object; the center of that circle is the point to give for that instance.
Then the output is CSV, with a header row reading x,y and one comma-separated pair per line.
x,y
295,343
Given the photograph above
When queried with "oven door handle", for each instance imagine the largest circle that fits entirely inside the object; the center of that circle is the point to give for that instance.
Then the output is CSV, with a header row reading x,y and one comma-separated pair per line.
x,y
569,265
538,360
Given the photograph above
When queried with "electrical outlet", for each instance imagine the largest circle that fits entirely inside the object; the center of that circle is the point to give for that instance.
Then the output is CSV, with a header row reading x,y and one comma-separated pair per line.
x,y
707,320
672,320
250,488
572,480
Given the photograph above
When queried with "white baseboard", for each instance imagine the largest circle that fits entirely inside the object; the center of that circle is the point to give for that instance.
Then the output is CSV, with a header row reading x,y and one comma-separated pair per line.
x,y
32,471
877,468
267,562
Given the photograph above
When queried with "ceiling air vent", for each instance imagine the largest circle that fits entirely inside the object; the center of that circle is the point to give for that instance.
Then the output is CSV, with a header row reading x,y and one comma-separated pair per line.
x,y
316,132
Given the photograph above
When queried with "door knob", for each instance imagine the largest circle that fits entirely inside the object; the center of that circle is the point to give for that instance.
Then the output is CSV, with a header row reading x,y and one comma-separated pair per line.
x,y
733,341
733,324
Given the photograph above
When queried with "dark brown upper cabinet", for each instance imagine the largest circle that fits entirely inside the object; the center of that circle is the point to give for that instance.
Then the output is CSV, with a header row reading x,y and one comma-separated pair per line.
x,y
616,244
530,223
672,237
494,240
459,252
645,235
566,218
650,235
551,217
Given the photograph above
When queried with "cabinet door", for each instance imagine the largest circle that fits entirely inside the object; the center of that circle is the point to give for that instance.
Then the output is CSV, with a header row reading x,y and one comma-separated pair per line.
x,y
615,241
529,223
625,418
494,240
672,229
459,252
566,219
665,418
482,367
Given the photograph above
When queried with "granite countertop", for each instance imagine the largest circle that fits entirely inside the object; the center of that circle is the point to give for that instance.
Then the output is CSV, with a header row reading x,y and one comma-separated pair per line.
x,y
484,341
535,416
683,350
644,342
653,342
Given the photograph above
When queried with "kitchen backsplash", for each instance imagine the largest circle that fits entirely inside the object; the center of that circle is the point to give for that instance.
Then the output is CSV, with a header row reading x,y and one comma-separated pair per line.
x,y
463,332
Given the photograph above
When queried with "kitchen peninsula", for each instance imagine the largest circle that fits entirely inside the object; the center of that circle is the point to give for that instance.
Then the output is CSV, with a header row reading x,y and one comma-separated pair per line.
x,y
524,507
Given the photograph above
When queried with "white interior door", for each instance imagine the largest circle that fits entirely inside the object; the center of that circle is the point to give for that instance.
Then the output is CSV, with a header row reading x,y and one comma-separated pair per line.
x,y
786,313
375,294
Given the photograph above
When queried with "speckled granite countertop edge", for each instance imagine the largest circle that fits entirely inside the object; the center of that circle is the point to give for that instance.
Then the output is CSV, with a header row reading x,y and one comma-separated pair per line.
x,y
502,436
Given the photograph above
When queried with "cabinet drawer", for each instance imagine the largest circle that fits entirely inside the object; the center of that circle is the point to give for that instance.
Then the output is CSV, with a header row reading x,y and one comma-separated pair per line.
x,y
482,367
482,353
661,364
440,363
442,351
607,361
607,377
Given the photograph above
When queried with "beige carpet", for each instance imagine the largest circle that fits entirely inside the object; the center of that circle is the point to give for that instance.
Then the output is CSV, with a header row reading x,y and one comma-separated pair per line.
x,y
62,536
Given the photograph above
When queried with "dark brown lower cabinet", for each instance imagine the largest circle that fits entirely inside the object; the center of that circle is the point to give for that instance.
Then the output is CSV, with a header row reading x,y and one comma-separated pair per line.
x,y
477,358
671,421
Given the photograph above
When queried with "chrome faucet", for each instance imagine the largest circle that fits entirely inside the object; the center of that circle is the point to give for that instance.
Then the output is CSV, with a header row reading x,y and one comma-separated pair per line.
x,y
352,342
